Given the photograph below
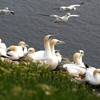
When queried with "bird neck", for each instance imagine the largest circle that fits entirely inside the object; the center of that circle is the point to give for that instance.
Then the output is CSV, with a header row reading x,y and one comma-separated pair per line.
x,y
47,47
79,61
52,48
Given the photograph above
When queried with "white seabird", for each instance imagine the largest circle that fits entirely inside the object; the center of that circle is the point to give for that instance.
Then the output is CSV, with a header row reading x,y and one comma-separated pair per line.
x,y
92,76
15,52
6,11
53,43
41,54
69,8
48,55
3,49
77,68
63,18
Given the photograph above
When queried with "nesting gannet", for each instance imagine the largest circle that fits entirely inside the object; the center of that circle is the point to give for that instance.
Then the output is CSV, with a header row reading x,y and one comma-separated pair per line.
x,y
77,58
6,11
63,18
3,49
30,54
41,54
53,43
53,59
92,76
77,68
15,52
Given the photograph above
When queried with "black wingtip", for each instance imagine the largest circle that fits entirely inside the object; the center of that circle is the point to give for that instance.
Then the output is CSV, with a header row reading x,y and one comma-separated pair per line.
x,y
12,12
81,3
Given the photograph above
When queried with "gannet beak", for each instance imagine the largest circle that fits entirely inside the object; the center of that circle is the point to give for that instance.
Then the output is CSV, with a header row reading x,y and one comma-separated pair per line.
x,y
60,42
27,45
51,36
57,51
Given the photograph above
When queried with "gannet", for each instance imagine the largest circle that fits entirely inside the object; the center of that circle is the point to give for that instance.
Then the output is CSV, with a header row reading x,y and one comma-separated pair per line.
x,y
40,55
3,49
69,8
37,55
63,18
48,55
76,68
6,11
15,52
30,54
53,43
92,76
55,60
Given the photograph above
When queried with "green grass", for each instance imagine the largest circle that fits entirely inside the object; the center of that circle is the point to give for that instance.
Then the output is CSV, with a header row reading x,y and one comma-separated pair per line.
x,y
36,82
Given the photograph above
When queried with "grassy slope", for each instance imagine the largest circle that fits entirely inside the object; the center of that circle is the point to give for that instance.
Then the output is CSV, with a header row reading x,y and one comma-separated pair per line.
x,y
27,82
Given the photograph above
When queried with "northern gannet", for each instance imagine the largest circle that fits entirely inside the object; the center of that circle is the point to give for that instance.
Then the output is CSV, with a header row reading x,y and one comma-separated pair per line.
x,y
63,18
52,59
6,11
53,43
76,68
92,76
41,54
3,49
15,52
30,54
68,8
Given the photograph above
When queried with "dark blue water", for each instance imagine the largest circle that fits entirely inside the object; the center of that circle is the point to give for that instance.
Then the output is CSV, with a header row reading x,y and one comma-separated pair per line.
x,y
78,33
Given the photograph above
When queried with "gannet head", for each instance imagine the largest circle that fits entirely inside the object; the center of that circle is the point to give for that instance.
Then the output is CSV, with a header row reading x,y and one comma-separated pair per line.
x,y
23,44
77,57
68,14
81,52
62,8
31,50
48,37
96,71
56,41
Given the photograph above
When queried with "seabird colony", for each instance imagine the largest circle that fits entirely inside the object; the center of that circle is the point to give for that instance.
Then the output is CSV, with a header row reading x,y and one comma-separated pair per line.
x,y
50,55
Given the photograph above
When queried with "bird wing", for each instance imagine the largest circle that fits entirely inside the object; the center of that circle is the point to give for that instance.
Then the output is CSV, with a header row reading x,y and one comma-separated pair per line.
x,y
77,5
11,48
74,16
38,55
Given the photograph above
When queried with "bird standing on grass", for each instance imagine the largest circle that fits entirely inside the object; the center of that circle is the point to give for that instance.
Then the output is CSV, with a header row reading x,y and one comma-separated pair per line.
x,y
78,67
15,52
3,49
92,76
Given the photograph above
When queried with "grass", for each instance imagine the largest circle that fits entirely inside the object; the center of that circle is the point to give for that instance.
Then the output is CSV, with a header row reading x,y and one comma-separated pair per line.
x,y
36,82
